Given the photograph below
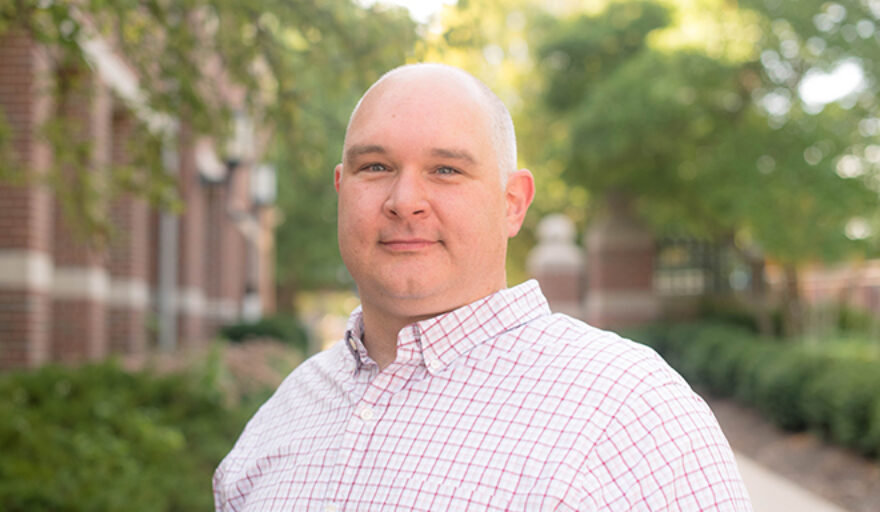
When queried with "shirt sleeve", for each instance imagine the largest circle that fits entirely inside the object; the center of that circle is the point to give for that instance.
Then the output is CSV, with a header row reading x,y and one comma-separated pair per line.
x,y
663,450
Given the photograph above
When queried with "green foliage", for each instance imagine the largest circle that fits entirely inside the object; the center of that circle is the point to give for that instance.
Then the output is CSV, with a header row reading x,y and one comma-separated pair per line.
x,y
839,402
10,171
694,134
98,438
281,327
735,312
301,65
328,62
584,51
826,387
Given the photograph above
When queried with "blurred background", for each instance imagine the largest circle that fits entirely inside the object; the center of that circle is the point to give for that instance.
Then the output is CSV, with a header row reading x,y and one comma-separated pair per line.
x,y
707,177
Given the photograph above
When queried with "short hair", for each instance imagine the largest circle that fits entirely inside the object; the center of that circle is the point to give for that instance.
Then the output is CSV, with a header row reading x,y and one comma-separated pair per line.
x,y
503,134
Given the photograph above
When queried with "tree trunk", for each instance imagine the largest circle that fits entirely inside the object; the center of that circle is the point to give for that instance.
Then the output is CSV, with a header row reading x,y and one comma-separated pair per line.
x,y
792,303
760,300
286,293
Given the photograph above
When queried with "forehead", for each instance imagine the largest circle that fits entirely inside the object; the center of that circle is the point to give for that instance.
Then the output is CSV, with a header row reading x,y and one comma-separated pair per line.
x,y
429,108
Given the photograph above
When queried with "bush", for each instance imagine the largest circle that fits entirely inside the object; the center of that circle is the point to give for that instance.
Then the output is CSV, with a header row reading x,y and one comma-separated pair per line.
x,y
851,319
841,400
98,438
832,388
737,313
284,328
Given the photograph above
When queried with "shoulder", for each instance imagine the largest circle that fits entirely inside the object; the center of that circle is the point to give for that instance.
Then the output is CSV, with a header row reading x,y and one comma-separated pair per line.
x,y
306,387
660,446
283,421
619,383
583,348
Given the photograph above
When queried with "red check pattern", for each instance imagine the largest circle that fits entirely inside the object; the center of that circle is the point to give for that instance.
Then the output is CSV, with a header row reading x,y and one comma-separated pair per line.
x,y
498,405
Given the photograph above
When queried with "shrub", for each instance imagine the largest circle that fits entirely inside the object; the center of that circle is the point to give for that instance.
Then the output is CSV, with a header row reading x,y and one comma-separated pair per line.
x,y
737,313
281,327
841,400
780,387
832,388
872,439
98,438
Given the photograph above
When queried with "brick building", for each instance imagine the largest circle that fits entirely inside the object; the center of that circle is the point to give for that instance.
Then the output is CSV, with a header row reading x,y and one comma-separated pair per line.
x,y
165,280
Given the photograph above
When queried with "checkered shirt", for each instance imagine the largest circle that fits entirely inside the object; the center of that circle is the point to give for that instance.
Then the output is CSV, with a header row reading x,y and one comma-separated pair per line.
x,y
498,405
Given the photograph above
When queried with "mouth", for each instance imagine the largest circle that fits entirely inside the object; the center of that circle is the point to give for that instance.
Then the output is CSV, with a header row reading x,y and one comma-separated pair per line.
x,y
408,244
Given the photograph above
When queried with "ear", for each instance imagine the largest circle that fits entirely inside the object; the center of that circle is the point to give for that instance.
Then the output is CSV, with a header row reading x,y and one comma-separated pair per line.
x,y
519,194
337,176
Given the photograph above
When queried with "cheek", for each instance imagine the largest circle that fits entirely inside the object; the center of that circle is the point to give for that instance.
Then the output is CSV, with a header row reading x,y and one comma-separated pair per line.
x,y
482,227
356,212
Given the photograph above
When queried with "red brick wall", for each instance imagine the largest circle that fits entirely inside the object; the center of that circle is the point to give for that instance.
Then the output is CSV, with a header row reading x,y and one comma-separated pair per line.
x,y
24,332
79,326
128,255
71,307
620,268
25,214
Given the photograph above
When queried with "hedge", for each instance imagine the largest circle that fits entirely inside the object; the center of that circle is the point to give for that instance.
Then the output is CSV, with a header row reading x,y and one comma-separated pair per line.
x,y
98,438
824,387
281,327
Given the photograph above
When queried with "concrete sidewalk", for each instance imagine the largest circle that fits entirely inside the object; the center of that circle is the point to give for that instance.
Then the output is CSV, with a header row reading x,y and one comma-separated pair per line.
x,y
773,493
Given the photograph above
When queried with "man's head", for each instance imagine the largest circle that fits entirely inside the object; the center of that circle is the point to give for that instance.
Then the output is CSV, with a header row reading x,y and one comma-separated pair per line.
x,y
428,192
502,135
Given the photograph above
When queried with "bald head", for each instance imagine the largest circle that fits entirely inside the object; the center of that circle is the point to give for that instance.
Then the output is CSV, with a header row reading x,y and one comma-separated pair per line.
x,y
497,116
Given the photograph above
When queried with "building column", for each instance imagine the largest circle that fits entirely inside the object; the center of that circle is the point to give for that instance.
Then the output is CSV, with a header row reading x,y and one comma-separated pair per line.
x,y
81,283
223,261
620,268
129,255
192,269
25,210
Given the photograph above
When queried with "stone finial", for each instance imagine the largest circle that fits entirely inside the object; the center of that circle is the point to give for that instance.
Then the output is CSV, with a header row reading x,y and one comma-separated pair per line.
x,y
556,245
557,263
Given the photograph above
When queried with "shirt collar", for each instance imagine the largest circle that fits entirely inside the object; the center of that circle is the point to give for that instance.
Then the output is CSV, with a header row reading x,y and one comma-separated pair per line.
x,y
437,342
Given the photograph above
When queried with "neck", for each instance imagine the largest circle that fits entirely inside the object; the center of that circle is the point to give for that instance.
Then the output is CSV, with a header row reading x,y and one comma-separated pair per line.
x,y
380,334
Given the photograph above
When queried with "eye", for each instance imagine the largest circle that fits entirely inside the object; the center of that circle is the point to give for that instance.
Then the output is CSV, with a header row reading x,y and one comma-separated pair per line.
x,y
375,168
446,171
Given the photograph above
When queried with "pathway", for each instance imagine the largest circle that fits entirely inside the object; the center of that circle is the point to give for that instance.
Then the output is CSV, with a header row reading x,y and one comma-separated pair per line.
x,y
771,492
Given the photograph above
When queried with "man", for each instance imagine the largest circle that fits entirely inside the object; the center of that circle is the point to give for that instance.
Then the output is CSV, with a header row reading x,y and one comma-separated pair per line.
x,y
450,391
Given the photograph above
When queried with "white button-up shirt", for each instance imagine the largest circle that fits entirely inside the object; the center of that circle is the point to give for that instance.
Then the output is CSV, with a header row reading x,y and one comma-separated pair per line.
x,y
498,405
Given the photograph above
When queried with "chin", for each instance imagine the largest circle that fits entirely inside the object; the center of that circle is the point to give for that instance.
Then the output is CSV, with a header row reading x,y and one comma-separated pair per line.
x,y
412,296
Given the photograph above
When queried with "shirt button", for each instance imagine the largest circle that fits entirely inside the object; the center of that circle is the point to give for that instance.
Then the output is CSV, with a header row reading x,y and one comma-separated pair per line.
x,y
330,507
366,414
433,364
353,344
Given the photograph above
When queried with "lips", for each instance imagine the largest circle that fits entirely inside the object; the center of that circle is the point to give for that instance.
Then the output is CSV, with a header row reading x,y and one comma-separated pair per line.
x,y
408,244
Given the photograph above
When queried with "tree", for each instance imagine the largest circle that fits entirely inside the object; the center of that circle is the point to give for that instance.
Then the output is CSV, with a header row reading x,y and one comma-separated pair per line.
x,y
492,40
692,134
300,63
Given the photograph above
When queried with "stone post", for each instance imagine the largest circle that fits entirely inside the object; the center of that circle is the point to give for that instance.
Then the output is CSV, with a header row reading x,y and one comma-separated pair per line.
x,y
620,268
557,263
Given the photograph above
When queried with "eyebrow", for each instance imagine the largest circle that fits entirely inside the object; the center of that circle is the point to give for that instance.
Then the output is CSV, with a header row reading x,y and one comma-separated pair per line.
x,y
363,149
457,154
367,149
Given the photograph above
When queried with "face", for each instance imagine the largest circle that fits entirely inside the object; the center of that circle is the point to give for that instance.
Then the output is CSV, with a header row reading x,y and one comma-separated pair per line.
x,y
423,216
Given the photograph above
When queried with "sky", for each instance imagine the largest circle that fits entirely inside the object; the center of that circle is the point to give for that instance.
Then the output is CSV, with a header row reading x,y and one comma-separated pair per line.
x,y
420,10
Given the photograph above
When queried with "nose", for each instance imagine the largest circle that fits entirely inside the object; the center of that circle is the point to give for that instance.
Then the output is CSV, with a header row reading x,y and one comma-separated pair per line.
x,y
407,196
